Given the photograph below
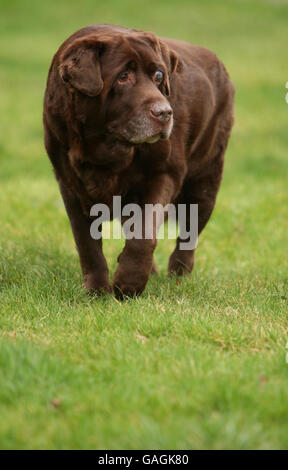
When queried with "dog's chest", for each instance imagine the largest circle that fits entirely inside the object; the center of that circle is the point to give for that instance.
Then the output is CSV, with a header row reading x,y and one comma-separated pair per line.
x,y
119,173
101,183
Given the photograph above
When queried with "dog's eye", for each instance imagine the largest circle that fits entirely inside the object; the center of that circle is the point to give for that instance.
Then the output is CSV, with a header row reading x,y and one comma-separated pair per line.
x,y
158,76
123,77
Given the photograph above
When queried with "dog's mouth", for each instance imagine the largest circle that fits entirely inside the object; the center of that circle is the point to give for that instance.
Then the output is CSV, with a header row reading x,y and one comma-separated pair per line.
x,y
150,140
145,140
129,136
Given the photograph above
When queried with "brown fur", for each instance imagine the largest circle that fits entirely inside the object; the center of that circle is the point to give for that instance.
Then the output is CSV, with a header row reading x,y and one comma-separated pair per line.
x,y
98,134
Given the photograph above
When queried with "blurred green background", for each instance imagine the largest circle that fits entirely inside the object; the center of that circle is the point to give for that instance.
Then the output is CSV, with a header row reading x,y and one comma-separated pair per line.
x,y
199,364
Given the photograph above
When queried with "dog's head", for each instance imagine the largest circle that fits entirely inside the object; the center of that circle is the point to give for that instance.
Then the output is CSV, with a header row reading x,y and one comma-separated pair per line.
x,y
124,77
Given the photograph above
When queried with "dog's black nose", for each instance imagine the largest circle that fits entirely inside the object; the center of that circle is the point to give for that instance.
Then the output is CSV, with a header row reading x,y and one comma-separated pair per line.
x,y
163,112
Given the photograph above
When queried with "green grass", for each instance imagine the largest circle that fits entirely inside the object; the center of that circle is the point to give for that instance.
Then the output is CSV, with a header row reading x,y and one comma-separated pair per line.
x,y
200,364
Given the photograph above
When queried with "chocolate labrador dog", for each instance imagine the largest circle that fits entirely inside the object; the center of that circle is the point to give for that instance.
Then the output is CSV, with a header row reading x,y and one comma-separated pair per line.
x,y
127,113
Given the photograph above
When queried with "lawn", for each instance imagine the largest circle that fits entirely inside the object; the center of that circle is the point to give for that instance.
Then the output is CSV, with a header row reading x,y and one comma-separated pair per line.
x,y
198,364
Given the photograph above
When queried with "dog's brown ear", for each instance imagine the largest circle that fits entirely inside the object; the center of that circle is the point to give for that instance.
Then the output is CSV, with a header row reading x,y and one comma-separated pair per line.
x,y
176,63
80,66
173,63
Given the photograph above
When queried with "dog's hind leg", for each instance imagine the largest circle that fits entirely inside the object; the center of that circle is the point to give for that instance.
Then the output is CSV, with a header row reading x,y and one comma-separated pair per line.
x,y
201,191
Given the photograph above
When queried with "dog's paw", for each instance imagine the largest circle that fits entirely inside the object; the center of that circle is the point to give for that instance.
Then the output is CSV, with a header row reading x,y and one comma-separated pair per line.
x,y
96,285
180,265
128,284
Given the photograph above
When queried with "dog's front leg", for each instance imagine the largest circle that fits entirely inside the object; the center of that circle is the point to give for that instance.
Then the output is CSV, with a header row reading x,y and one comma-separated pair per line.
x,y
93,262
136,259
